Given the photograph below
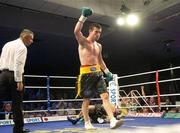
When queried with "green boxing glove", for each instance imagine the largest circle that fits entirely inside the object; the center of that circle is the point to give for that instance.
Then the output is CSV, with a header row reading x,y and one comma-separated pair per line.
x,y
109,75
85,12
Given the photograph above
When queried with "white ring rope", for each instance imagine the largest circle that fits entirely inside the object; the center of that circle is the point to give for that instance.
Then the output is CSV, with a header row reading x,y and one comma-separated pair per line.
x,y
95,99
35,76
34,101
67,77
154,106
79,109
56,87
162,95
122,86
146,83
73,100
53,87
150,72
65,100
35,111
42,76
36,87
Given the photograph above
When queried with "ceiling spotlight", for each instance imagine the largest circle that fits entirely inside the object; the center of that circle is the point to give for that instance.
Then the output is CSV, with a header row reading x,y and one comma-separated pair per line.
x,y
132,20
120,21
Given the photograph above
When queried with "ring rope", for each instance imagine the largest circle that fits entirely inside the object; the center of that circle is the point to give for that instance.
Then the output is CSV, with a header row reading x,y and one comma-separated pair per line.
x,y
67,100
54,87
34,101
35,76
79,109
162,95
67,77
150,72
152,82
36,87
95,99
122,86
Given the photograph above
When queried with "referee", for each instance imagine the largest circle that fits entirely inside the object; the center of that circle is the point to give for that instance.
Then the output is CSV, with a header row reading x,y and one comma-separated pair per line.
x,y
12,61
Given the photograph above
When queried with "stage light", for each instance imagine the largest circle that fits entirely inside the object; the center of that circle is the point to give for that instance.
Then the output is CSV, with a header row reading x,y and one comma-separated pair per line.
x,y
120,21
132,19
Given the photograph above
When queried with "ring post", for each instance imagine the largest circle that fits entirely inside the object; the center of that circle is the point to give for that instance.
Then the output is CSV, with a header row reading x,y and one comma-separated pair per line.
x,y
114,90
48,94
158,90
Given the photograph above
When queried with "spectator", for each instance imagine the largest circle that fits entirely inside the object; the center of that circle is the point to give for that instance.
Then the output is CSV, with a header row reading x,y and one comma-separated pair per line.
x,y
7,109
71,111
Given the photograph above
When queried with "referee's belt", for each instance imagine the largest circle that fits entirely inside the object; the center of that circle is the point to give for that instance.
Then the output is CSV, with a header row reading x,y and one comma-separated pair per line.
x,y
89,69
6,70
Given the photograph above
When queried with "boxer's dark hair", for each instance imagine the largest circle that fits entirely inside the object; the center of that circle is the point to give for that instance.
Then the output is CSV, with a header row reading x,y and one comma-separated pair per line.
x,y
92,25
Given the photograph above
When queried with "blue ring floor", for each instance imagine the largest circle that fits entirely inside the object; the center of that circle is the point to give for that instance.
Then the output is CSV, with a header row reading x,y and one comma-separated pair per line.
x,y
135,125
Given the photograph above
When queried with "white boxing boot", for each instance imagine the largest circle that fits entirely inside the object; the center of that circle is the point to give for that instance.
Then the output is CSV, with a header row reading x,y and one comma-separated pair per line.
x,y
89,126
115,123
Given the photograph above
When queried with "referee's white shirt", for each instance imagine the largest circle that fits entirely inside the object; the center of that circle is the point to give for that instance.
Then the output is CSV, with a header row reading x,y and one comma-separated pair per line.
x,y
13,58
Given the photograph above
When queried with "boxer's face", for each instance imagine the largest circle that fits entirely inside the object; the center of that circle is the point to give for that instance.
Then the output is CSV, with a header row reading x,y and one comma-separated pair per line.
x,y
96,33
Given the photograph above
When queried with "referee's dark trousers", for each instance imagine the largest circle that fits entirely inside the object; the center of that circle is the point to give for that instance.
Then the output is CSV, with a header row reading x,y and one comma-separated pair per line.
x,y
8,91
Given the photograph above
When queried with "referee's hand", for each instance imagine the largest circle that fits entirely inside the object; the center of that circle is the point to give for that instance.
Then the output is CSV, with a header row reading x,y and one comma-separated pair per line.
x,y
20,86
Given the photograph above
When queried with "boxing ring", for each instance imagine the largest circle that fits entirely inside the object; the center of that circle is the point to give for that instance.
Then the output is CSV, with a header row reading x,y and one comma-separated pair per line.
x,y
153,121
137,125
